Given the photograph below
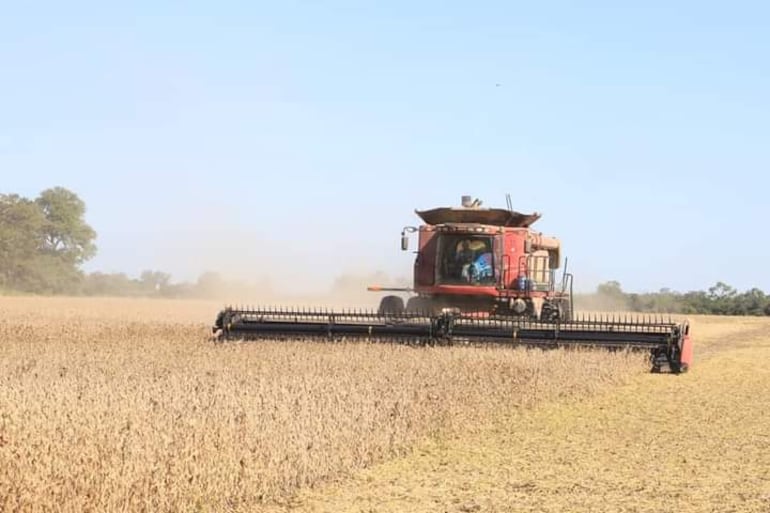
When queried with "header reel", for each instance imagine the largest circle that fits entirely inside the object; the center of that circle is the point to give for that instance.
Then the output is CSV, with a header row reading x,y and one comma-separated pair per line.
x,y
668,342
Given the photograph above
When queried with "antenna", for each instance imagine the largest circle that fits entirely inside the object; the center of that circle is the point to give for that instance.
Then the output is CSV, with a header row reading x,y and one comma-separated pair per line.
x,y
508,201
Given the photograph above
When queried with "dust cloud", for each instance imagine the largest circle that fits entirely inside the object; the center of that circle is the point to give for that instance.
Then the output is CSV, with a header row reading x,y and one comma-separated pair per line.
x,y
347,291
238,265
598,302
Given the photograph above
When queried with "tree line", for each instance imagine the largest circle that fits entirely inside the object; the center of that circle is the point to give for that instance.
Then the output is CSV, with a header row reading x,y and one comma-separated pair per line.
x,y
720,299
44,241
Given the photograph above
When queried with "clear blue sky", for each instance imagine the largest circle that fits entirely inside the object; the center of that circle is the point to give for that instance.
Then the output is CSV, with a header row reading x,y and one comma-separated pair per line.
x,y
295,139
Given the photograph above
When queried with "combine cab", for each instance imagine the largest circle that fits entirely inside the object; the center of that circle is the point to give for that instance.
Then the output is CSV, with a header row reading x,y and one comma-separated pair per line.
x,y
484,262
480,276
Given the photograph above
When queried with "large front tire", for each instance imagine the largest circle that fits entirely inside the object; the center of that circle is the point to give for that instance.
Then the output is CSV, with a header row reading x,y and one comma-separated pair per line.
x,y
391,305
419,305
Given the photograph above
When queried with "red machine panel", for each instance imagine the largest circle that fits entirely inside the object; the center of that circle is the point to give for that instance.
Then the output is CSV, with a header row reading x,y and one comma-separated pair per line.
x,y
425,263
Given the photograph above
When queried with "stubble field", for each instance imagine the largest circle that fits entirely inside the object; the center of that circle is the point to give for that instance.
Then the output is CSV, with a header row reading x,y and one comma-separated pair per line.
x,y
126,405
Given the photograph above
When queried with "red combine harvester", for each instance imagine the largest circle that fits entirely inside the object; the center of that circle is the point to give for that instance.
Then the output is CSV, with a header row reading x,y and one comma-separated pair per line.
x,y
481,275
484,262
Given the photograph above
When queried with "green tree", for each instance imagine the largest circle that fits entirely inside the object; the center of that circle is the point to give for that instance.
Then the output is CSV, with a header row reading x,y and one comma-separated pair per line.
x,y
65,232
721,291
43,242
21,225
610,289
154,281
751,302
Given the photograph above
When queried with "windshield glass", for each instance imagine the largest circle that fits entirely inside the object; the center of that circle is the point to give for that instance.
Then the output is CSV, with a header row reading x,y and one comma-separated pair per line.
x,y
466,260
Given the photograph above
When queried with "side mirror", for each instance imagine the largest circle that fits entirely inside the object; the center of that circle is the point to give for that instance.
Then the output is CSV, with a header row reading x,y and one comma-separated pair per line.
x,y
404,238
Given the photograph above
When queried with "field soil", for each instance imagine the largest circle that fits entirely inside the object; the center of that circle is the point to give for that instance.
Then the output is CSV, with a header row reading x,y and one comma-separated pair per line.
x,y
128,405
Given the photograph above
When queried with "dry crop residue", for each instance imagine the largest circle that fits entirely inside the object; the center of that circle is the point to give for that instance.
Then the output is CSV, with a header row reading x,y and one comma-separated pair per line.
x,y
698,442
110,405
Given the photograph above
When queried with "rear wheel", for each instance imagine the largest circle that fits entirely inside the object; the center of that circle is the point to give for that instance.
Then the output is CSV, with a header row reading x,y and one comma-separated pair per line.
x,y
391,305
421,305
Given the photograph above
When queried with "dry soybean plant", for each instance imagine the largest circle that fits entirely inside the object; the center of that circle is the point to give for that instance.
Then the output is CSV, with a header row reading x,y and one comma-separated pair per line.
x,y
103,409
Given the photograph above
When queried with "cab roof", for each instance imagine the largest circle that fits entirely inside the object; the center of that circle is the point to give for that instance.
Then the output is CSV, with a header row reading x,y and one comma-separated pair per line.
x,y
488,216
